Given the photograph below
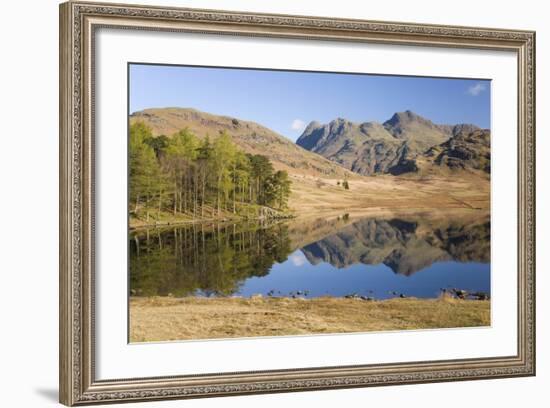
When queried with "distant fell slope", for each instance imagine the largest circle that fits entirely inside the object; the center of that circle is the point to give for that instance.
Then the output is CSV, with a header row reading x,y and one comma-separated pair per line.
x,y
466,150
249,136
370,147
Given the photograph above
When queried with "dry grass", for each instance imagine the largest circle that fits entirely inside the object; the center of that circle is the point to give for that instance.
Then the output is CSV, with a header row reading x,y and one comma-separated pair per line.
x,y
382,193
164,318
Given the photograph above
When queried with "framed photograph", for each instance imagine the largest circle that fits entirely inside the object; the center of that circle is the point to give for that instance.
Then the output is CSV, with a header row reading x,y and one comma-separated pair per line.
x,y
255,203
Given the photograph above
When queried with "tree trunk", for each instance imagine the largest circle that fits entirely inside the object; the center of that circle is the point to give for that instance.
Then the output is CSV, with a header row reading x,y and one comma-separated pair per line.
x,y
218,193
195,193
175,199
160,205
234,192
202,197
184,195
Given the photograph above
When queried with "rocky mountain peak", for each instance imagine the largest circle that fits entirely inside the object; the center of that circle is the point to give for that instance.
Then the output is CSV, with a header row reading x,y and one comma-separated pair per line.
x,y
311,126
401,122
371,147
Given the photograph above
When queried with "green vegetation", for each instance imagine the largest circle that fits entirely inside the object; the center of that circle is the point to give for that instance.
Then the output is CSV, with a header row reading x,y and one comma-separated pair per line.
x,y
345,183
184,175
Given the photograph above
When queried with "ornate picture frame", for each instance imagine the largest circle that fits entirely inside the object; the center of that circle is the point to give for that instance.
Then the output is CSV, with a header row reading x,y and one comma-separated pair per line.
x,y
78,24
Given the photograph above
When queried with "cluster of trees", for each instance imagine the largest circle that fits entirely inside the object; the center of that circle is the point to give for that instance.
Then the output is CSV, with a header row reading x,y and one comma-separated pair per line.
x,y
186,175
345,184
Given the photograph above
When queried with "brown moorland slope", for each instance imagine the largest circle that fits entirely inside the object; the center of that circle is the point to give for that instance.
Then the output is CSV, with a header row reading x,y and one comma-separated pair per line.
x,y
249,136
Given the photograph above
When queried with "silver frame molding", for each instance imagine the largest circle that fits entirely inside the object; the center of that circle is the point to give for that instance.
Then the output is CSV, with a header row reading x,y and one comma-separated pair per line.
x,y
78,22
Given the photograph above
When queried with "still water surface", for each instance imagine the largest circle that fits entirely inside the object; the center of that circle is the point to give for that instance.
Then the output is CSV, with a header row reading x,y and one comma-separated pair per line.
x,y
379,258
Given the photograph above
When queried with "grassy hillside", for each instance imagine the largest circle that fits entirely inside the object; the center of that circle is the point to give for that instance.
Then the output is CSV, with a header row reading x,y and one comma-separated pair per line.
x,y
376,194
249,136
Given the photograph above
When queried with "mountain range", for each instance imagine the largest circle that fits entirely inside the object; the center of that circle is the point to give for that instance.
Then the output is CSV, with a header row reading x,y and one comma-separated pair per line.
x,y
406,143
399,145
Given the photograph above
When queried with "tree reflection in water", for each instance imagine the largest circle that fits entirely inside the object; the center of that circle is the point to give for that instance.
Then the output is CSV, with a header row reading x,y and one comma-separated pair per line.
x,y
216,259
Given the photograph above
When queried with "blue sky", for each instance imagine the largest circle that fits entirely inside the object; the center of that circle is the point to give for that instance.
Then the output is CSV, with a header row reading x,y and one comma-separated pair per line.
x,y
287,101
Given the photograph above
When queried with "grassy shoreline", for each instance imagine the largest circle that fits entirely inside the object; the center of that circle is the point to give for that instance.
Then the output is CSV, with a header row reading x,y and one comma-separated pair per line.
x,y
168,219
167,318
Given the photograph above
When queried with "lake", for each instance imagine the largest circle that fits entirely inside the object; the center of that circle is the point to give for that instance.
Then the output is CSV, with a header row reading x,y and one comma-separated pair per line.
x,y
374,257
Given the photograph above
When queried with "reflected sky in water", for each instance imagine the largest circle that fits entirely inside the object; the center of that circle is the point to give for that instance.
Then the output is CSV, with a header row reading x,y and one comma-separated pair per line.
x,y
378,281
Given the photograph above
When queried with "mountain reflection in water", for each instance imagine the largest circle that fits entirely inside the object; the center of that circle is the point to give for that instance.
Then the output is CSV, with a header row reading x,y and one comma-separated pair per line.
x,y
374,257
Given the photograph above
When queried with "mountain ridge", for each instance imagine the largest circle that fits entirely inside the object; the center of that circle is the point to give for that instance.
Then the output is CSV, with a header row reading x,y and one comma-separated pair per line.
x,y
372,147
